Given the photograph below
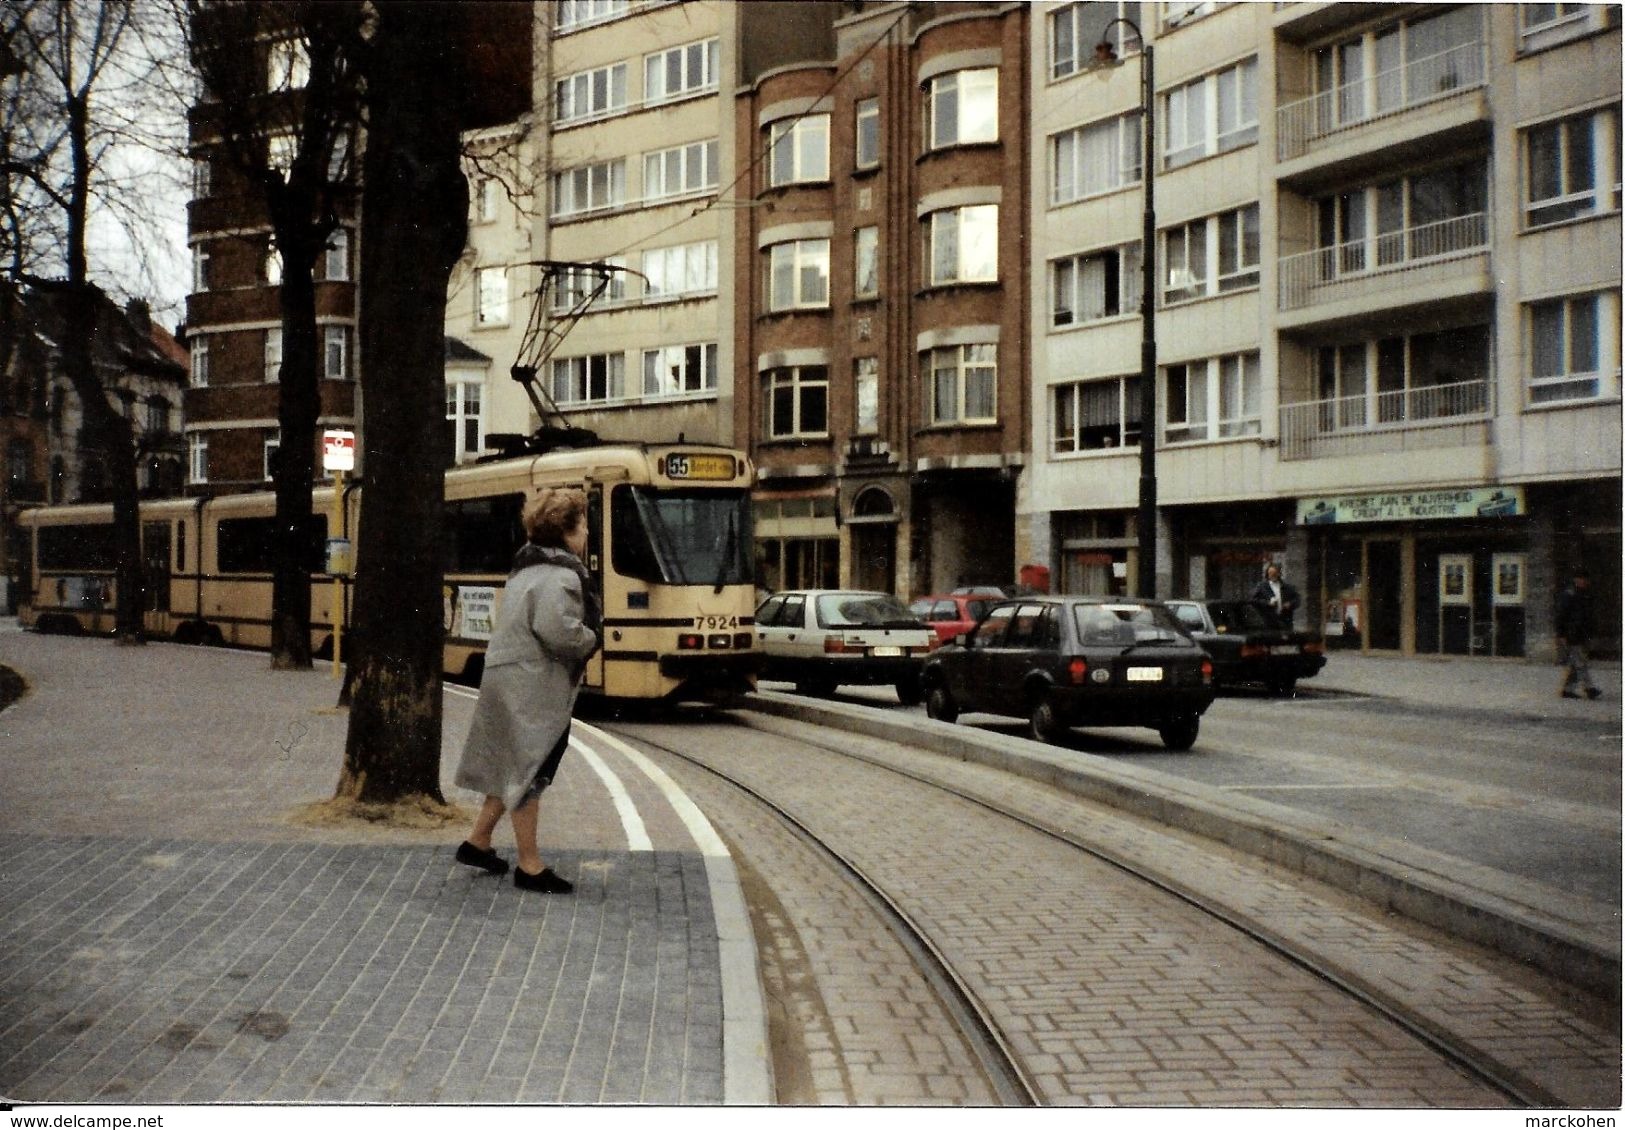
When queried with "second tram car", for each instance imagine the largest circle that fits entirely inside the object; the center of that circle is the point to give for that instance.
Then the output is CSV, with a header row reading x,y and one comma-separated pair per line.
x,y
669,552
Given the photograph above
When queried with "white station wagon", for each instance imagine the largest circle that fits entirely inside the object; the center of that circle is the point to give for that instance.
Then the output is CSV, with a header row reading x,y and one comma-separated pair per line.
x,y
820,639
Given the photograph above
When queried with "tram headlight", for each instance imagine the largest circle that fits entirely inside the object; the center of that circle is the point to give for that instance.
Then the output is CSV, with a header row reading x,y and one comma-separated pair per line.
x,y
720,640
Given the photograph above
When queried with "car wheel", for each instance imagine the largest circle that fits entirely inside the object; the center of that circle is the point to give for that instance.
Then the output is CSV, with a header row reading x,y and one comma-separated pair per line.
x,y
1043,723
939,704
909,691
1180,734
1284,688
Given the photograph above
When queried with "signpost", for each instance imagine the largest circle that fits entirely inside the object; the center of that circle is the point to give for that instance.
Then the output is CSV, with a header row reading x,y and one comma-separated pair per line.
x,y
338,456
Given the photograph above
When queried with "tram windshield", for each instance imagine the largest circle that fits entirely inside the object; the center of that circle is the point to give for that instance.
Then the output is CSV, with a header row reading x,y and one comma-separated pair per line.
x,y
681,537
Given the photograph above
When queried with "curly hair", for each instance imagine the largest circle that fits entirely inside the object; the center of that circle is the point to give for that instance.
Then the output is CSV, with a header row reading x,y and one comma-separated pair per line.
x,y
552,513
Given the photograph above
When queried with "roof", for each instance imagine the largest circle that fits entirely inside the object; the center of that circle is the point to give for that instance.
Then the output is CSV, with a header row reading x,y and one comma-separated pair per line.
x,y
463,353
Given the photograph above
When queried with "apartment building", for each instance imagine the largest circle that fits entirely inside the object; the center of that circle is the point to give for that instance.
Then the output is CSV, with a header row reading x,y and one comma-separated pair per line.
x,y
1387,330
882,361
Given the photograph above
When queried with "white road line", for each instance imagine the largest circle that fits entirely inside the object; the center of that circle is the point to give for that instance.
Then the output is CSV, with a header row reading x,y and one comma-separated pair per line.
x,y
637,836
705,836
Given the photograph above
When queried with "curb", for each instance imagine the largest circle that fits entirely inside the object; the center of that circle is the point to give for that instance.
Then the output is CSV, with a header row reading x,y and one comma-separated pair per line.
x,y
1471,903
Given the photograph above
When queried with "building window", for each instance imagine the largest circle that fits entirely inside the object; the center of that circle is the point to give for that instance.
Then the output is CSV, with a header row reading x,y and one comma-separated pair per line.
x,y
491,296
271,266
287,65
1398,65
577,284
866,262
280,151
962,245
590,94
1210,256
798,274
273,354
157,415
336,352
200,268
1546,25
1095,415
590,188
798,151
675,369
1225,389
199,345
583,380
202,177
1092,159
197,459
1075,29
1568,167
866,396
684,169
867,130
963,107
485,200
272,445
1414,217
336,261
465,418
1178,12
1214,114
1423,376
1570,342
681,70
572,14
1101,284
795,402
963,384
339,166
673,271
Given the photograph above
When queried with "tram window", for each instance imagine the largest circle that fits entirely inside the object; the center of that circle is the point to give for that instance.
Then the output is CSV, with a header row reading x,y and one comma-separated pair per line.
x,y
681,537
77,547
246,545
483,534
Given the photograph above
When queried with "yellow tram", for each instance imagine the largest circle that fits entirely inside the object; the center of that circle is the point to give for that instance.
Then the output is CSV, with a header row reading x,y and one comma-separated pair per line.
x,y
669,551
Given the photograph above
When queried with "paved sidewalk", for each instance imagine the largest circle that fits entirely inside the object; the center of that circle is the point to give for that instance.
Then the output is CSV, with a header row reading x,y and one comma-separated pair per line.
x,y
1520,687
173,929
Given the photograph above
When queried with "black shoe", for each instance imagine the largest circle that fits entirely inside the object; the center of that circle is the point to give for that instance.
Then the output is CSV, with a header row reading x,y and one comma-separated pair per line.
x,y
1569,694
547,882
1593,692
486,860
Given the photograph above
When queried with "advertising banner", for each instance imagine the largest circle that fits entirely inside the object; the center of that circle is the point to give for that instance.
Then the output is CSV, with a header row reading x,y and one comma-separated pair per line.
x,y
1413,506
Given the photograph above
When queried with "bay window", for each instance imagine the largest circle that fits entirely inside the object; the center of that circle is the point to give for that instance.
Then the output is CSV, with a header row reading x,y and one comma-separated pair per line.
x,y
962,245
962,384
795,402
963,107
798,274
798,151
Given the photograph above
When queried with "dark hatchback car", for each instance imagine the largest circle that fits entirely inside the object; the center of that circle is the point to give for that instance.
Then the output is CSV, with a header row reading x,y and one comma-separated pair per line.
x,y
1249,643
1076,661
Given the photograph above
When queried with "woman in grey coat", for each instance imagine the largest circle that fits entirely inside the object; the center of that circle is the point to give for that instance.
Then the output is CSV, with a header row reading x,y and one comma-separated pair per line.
x,y
547,627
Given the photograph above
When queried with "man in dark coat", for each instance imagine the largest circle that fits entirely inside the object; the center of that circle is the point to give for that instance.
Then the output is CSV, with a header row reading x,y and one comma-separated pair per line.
x,y
1573,635
1276,593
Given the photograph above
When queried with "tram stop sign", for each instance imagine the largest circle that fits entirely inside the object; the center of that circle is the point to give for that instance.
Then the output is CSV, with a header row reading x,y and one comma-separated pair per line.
x,y
338,451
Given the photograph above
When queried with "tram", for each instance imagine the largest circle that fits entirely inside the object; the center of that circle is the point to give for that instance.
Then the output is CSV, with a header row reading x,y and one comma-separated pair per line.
x,y
669,551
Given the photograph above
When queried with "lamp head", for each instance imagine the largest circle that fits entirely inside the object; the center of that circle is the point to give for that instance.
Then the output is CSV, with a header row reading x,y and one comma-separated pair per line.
x,y
1105,53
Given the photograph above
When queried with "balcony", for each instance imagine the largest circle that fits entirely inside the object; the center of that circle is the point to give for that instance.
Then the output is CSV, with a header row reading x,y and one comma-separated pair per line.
x,y
1393,263
1331,116
1448,415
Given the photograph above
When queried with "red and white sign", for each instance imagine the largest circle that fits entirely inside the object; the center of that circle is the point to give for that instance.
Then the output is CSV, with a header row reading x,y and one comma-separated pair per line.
x,y
338,451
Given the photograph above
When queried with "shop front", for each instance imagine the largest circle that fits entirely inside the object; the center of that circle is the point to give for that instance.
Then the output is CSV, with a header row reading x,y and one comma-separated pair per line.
x,y
1429,572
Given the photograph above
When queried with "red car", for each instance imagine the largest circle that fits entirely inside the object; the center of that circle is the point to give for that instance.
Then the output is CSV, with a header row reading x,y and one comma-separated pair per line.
x,y
951,614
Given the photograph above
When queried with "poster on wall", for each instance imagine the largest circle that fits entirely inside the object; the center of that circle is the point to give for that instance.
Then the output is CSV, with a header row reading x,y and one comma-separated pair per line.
x,y
1507,571
1455,579
1413,506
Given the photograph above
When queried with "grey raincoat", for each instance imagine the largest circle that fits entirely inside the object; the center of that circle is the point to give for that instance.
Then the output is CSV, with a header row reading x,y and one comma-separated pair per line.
x,y
547,627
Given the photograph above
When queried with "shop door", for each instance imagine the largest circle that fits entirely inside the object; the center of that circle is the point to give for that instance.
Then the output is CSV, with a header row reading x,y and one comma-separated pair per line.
x,y
1384,595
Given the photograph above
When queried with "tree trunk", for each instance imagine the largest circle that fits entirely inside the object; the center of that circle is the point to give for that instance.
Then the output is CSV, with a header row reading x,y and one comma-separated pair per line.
x,y
413,229
299,404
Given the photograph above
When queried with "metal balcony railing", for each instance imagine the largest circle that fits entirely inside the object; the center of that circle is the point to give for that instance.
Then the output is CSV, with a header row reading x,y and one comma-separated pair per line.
x,y
1366,266
1379,421
1301,125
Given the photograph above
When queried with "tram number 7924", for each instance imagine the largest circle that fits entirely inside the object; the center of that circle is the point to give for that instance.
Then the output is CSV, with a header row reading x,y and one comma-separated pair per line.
x,y
713,623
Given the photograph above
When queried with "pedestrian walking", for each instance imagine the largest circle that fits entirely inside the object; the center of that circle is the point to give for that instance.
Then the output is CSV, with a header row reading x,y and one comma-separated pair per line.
x,y
549,624
1276,593
1574,636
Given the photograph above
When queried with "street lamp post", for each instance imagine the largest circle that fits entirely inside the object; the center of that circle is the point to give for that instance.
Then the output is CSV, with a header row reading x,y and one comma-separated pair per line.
x,y
1146,518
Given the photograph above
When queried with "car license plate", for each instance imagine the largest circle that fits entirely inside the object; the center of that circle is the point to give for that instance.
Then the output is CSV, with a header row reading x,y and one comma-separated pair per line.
x,y
1284,649
885,651
1145,674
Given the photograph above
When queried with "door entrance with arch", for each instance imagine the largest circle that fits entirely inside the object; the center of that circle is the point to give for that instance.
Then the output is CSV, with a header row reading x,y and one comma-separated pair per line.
x,y
873,523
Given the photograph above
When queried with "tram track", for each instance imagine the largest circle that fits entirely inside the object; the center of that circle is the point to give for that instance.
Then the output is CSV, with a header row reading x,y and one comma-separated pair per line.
x,y
1001,1051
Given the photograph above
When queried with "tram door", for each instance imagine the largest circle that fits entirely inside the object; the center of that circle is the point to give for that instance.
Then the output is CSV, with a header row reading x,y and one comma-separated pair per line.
x,y
1384,595
596,551
155,545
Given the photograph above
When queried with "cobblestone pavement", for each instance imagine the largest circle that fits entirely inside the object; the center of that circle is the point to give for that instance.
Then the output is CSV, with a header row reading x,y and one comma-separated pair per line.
x,y
172,929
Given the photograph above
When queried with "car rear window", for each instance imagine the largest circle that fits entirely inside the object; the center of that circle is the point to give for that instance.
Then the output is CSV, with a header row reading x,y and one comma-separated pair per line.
x,y
1124,623
863,610
1243,616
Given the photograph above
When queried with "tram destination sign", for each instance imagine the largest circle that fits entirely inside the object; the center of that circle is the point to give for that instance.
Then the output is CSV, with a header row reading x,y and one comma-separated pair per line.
x,y
1413,506
697,467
